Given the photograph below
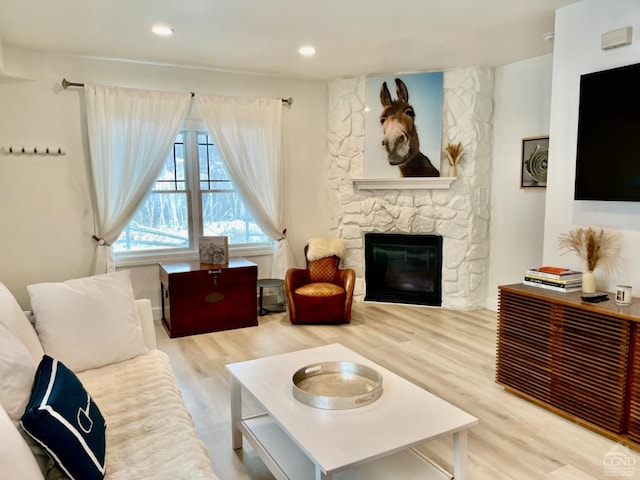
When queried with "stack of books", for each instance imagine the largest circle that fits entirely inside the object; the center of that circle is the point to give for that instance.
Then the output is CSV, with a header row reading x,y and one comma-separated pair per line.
x,y
554,278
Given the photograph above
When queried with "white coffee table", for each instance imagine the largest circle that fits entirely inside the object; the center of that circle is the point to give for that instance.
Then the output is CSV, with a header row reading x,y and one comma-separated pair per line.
x,y
299,442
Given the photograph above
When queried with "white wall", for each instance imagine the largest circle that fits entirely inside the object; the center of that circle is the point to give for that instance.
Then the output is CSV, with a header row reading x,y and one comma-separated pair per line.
x,y
522,100
45,204
577,51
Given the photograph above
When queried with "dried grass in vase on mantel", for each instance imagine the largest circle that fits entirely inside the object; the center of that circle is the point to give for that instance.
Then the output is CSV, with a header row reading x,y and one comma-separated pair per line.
x,y
454,153
596,248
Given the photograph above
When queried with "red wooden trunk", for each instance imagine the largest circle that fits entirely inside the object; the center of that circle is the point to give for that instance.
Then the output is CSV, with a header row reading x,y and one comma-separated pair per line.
x,y
201,298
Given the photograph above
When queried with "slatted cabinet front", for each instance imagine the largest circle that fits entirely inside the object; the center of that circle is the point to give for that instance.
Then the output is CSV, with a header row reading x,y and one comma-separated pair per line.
x,y
590,356
524,345
574,358
633,421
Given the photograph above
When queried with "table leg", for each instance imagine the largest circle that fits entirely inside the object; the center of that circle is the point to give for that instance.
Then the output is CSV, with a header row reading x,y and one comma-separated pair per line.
x,y
322,476
260,296
236,413
460,456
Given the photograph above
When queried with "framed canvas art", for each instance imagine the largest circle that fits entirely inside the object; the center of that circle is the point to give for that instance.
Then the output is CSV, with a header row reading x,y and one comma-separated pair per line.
x,y
403,125
534,162
214,250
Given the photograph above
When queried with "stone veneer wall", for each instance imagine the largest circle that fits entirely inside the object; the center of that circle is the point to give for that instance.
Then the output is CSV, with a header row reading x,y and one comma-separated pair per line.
x,y
460,214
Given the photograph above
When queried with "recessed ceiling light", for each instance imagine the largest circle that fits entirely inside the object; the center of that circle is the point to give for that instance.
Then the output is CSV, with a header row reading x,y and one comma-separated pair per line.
x,y
307,51
162,30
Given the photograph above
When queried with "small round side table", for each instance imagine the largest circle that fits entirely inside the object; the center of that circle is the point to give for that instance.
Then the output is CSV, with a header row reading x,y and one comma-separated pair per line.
x,y
271,283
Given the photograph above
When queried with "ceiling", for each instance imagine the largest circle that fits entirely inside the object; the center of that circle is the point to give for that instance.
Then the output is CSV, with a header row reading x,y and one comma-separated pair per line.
x,y
353,37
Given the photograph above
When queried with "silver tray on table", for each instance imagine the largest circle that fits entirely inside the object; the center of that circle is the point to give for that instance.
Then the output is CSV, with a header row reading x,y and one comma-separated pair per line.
x,y
337,385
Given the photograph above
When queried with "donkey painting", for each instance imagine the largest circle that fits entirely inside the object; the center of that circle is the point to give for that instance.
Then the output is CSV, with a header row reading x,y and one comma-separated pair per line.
x,y
400,137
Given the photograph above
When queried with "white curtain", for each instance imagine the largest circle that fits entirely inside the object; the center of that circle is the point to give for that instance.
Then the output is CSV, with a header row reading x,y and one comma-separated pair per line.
x,y
248,134
130,135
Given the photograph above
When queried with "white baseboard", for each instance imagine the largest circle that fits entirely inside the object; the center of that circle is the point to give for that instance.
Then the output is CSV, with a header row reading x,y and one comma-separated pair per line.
x,y
492,304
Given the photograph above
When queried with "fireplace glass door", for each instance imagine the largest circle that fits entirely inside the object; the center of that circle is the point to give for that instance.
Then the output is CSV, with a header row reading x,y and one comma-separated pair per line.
x,y
403,268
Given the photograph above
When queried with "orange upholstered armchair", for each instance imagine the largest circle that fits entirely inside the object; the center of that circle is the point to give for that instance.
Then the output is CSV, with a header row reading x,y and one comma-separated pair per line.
x,y
322,293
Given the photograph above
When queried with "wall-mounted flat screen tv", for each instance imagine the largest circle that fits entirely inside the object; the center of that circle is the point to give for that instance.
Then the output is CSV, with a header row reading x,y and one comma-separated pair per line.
x,y
608,154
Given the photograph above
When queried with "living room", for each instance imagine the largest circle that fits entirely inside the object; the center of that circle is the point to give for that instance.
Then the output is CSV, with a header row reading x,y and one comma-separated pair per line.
x,y
524,233
45,202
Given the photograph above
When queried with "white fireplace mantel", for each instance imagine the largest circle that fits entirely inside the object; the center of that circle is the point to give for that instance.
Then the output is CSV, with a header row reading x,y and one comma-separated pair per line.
x,y
407,183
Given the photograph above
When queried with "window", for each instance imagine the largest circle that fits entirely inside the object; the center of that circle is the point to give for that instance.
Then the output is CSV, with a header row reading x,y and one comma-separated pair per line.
x,y
191,197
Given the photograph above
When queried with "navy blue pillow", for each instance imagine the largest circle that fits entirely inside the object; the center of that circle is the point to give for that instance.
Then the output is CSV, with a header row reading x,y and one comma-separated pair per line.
x,y
63,418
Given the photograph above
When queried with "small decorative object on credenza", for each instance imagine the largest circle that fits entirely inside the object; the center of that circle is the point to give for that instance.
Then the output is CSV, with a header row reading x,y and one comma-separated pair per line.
x,y
623,295
454,153
557,279
596,248
214,250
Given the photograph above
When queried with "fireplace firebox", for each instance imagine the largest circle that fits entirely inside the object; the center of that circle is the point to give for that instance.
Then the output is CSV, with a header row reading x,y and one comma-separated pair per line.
x,y
403,268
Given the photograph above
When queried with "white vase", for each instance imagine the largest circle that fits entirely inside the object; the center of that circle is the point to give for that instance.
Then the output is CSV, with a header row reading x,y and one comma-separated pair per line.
x,y
453,171
588,282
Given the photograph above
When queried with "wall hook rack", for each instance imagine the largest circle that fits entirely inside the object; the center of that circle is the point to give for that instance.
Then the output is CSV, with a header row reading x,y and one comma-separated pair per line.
x,y
13,150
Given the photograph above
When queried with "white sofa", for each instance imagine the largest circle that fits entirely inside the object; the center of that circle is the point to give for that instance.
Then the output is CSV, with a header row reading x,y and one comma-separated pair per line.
x,y
149,432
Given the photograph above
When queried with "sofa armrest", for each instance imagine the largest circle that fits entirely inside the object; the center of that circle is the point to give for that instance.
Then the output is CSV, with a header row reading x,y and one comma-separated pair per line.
x,y
145,314
348,279
294,278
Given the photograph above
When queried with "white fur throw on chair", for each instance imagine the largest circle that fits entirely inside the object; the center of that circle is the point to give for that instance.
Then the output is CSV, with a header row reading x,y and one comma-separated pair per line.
x,y
320,247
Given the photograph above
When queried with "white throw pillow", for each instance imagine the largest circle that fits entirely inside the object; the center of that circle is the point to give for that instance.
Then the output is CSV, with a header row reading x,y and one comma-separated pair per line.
x,y
17,370
16,459
88,322
12,315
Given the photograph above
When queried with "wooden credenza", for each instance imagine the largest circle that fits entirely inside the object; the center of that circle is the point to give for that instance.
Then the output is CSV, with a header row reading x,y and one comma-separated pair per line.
x,y
577,359
201,298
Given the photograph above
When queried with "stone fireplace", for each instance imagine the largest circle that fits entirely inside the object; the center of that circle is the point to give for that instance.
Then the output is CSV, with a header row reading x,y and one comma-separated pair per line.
x,y
459,212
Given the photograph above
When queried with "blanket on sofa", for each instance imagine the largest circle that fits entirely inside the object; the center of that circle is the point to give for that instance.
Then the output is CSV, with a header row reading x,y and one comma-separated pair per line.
x,y
149,433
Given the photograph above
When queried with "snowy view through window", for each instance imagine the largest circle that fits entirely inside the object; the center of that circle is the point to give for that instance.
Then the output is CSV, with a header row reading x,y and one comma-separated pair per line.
x,y
165,219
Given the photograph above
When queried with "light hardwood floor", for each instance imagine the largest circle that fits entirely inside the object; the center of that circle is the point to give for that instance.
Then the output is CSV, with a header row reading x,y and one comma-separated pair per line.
x,y
450,353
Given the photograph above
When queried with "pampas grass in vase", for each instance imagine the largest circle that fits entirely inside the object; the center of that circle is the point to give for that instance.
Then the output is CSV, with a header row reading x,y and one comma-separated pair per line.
x,y
596,249
454,153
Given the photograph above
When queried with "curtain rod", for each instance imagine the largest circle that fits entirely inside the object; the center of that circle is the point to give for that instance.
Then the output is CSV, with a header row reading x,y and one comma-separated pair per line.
x,y
66,84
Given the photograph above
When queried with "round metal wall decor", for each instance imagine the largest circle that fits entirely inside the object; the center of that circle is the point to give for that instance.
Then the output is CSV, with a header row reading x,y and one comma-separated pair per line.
x,y
536,164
